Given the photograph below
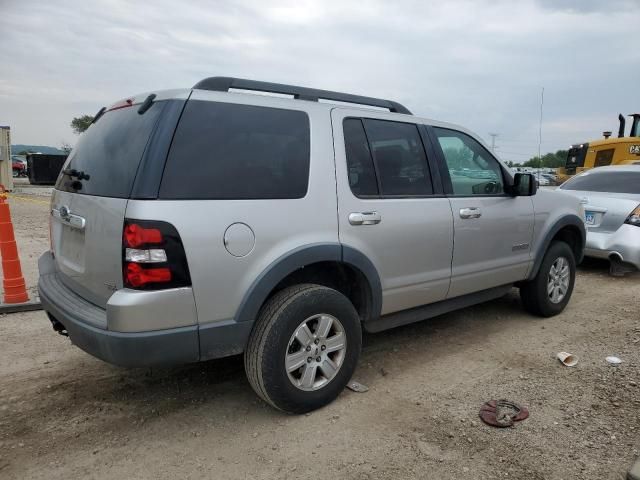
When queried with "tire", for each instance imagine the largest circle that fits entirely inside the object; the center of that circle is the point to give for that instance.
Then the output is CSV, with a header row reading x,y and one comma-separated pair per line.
x,y
277,335
534,294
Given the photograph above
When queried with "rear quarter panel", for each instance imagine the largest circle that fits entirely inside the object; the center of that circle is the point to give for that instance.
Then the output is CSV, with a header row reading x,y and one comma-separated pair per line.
x,y
221,280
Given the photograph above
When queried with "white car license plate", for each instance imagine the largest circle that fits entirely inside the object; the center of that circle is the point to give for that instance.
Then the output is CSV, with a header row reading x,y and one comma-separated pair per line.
x,y
589,218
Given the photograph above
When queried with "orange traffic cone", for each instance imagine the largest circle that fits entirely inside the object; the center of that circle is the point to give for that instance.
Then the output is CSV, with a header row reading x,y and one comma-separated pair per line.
x,y
13,282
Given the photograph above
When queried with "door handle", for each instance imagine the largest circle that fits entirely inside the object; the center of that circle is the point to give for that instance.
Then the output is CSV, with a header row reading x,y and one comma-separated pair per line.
x,y
364,218
470,212
65,216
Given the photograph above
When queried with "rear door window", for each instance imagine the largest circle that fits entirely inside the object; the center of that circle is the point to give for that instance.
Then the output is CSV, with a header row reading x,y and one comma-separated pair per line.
x,y
233,151
399,157
110,151
362,174
385,158
609,182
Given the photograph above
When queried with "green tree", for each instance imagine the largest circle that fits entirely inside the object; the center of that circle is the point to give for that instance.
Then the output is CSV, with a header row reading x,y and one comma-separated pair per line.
x,y
80,124
548,160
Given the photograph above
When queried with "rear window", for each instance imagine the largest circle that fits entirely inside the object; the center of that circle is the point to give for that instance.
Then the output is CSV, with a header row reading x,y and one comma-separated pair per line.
x,y
110,152
612,182
231,151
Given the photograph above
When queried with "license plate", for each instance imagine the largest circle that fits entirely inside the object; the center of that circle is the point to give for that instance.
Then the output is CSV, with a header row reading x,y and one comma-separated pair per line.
x,y
589,218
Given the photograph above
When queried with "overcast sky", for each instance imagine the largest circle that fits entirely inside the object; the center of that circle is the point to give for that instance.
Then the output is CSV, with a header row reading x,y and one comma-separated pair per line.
x,y
477,63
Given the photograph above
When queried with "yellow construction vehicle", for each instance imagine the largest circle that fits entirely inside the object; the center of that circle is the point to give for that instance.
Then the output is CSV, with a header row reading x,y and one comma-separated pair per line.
x,y
608,151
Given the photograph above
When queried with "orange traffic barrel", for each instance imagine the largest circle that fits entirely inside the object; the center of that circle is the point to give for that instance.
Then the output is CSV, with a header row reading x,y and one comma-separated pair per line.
x,y
13,282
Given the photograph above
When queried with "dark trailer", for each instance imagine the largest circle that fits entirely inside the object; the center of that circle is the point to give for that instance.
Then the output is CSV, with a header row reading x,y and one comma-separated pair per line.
x,y
43,169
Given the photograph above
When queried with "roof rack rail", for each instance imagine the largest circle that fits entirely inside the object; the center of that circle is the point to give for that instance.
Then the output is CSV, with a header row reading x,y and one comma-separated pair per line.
x,y
224,84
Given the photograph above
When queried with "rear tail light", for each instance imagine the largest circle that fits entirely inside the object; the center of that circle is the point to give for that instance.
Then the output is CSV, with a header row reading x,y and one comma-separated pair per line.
x,y
136,276
136,235
634,217
153,257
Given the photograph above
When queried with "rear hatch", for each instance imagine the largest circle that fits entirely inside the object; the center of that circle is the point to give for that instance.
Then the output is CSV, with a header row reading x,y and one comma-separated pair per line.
x,y
90,200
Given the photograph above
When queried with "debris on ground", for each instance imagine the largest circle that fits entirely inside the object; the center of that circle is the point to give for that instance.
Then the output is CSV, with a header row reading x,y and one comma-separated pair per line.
x,y
567,359
357,387
502,413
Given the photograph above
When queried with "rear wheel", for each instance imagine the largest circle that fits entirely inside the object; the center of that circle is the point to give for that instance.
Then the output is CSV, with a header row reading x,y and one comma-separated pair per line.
x,y
304,348
549,292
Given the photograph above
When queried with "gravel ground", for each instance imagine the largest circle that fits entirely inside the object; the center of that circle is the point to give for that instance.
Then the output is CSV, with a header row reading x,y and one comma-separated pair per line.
x,y
64,414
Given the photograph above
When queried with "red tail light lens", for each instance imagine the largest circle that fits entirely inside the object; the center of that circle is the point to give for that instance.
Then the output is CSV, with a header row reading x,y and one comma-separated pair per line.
x,y
136,276
135,236
153,257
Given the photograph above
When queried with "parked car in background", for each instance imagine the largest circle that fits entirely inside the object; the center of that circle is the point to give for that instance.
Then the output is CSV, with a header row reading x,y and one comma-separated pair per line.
x,y
611,198
200,223
18,166
542,180
552,179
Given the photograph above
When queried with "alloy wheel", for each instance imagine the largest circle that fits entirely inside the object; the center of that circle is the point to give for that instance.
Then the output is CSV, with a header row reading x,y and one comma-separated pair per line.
x,y
558,280
315,352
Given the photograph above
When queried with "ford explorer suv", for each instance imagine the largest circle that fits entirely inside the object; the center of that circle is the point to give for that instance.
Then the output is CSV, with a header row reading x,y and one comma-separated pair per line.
x,y
280,222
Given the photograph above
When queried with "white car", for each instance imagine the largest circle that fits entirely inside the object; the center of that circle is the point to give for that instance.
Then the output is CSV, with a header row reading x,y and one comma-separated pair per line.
x,y
542,180
611,199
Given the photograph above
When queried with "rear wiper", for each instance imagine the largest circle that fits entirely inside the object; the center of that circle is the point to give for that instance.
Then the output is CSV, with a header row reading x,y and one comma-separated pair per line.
x,y
146,105
79,174
99,114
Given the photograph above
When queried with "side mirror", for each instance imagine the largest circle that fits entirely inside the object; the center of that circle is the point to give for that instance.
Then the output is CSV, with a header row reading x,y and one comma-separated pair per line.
x,y
524,185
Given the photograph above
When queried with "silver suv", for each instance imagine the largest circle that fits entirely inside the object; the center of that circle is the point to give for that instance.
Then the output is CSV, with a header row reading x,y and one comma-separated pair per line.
x,y
195,224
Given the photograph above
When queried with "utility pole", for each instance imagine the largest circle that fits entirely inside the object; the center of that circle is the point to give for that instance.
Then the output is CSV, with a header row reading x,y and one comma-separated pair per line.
x,y
493,142
540,133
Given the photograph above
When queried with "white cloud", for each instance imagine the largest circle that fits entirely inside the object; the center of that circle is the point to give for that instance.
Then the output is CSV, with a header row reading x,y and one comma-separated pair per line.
x,y
478,63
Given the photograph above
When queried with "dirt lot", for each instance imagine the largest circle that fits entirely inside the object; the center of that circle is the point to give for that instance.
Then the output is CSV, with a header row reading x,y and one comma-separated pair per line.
x,y
64,414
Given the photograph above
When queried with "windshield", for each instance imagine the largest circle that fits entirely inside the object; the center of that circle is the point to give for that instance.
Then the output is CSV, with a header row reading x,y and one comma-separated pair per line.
x,y
109,153
608,181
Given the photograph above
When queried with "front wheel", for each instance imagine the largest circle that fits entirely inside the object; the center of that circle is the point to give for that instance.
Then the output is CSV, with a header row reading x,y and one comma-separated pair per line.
x,y
549,292
304,348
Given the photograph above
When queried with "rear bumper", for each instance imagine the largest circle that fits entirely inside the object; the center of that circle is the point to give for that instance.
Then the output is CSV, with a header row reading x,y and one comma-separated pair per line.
x,y
624,243
87,323
139,349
